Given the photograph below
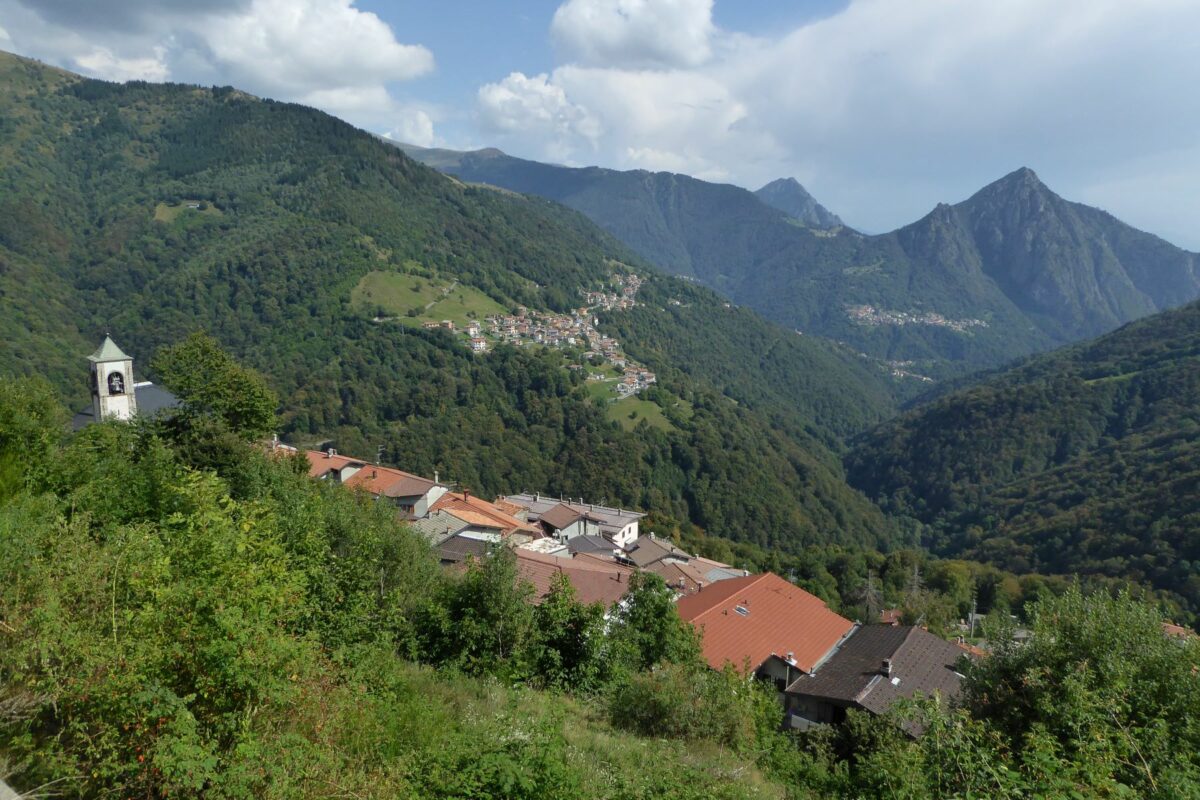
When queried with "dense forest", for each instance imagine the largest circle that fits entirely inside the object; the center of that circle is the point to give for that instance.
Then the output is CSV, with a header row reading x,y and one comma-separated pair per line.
x,y
1085,460
292,208
184,615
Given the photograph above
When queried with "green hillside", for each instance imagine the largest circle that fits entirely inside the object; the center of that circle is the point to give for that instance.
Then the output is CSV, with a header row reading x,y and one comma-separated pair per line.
x,y
1013,270
303,215
1085,460
185,615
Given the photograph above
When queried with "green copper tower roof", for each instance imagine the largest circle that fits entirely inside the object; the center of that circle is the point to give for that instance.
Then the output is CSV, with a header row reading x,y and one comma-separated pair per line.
x,y
108,351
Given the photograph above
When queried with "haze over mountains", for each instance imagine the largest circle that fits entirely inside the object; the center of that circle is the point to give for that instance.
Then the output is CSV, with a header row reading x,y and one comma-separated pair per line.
x,y
1014,269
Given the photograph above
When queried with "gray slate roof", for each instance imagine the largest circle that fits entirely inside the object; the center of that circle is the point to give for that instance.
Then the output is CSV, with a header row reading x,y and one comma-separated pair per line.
x,y
853,675
457,549
590,544
438,527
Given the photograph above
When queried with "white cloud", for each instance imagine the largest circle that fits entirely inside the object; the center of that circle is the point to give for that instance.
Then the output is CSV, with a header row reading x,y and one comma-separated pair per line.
x,y
309,45
4,37
414,126
888,107
102,61
325,53
535,105
635,33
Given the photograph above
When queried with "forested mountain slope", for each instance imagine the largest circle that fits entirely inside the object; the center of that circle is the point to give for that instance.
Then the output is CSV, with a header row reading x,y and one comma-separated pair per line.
x,y
1083,460
1013,270
152,210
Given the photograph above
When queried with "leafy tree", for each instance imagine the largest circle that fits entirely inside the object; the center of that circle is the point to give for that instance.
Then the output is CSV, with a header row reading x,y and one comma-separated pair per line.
x,y
481,622
647,630
32,422
209,383
568,654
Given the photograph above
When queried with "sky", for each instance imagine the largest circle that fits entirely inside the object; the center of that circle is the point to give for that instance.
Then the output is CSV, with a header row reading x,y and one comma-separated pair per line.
x,y
881,108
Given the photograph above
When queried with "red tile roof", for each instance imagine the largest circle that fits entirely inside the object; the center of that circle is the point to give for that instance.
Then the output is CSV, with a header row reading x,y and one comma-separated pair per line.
x,y
480,513
594,581
320,463
1178,631
779,618
375,479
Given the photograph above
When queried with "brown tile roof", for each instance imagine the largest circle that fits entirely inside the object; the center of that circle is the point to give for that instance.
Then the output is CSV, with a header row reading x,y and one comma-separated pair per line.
x,y
480,513
594,582
683,578
853,675
779,618
511,509
646,550
559,517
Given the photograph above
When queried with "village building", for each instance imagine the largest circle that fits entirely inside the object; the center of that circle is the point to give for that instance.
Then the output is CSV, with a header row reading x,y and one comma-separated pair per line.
x,y
594,581
485,520
115,394
565,520
714,571
681,577
651,550
456,551
438,527
870,671
412,495
764,626
592,543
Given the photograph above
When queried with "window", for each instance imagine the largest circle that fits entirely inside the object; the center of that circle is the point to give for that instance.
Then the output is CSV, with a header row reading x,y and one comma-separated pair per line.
x,y
745,612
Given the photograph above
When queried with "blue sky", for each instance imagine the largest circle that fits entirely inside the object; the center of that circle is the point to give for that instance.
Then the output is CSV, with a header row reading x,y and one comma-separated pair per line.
x,y
882,108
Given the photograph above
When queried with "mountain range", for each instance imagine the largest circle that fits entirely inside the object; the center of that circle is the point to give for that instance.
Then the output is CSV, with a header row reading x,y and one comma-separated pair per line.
x,y
1013,270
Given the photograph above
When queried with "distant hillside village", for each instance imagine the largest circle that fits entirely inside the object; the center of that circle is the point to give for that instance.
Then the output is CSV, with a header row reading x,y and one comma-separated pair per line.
x,y
527,328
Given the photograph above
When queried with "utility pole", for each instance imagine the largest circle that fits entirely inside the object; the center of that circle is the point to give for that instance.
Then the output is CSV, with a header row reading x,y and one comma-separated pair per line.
x,y
871,598
913,590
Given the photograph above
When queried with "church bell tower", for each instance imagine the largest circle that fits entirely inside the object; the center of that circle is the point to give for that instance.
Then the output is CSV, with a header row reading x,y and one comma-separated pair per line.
x,y
112,383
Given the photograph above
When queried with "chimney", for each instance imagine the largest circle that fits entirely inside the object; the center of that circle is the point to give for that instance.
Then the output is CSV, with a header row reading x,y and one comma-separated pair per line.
x,y
886,668
466,494
791,657
435,477
374,473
